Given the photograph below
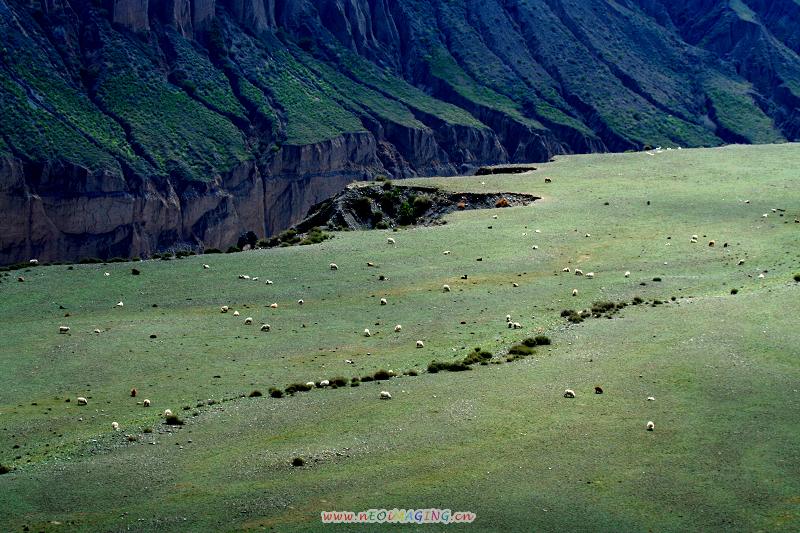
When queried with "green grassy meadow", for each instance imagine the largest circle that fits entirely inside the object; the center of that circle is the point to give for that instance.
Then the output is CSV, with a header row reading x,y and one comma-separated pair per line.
x,y
499,440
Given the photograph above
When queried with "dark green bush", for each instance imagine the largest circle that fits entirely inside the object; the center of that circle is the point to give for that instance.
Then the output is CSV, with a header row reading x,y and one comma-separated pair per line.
x,y
233,250
367,379
275,392
797,277
477,356
298,461
212,251
4,469
297,387
255,394
734,291
382,225
455,366
521,349
637,301
339,381
173,420
382,375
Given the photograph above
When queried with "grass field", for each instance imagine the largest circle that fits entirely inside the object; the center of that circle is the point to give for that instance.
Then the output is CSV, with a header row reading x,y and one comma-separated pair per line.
x,y
499,440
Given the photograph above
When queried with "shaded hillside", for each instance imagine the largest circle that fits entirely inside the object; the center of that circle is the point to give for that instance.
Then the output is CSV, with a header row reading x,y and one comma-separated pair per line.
x,y
131,126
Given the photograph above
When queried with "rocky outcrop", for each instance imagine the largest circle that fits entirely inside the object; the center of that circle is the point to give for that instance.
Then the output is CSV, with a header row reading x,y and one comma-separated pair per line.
x,y
133,14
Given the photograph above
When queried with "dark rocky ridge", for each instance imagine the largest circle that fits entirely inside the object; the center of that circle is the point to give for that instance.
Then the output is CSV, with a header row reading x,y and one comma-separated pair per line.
x,y
130,126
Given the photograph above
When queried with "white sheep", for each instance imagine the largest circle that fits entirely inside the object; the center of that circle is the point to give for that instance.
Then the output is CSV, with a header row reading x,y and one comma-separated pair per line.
x,y
385,395
761,276
508,318
566,269
97,331
420,344
516,325
627,273
590,275
63,329
367,333
693,241
300,301
349,361
398,328
246,277
120,304
588,234
265,327
255,278
534,247
106,273
82,401
574,292
167,412
224,309
494,217
273,305
115,426
391,241
248,321
268,282
206,267
446,288
383,301
651,399
146,402
310,384
695,237
236,313
515,284
446,252
334,266
741,262
324,383
34,262
765,215
650,426
569,393
578,272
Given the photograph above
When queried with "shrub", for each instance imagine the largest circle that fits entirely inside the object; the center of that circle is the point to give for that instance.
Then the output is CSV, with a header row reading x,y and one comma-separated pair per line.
x,y
542,340
797,277
255,394
637,301
477,356
212,251
656,279
298,461
233,250
380,177
599,308
521,349
502,202
382,225
297,387
339,381
132,438
421,204
147,430
456,366
4,469
734,291
275,392
361,207
411,373
387,185
382,375
405,214
367,379
173,420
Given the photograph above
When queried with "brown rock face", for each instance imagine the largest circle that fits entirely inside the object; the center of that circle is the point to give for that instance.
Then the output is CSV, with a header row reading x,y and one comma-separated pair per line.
x,y
177,13
133,14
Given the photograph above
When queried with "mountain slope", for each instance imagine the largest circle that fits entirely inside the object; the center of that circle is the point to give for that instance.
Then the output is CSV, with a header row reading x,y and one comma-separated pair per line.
x,y
131,126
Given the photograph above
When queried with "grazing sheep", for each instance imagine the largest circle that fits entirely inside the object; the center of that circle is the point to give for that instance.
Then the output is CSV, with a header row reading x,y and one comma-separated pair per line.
x,y
741,262
574,292
265,327
246,277
300,301
82,401
446,252
310,384
134,392
206,267
494,217
761,276
120,304
324,383
765,215
566,269
146,403
367,333
21,279
97,331
236,313
578,272
385,395
248,321
115,426
420,344
349,361
510,325
334,266
695,237
516,325
107,273
273,306
590,275
651,399
508,318
268,282
391,241
650,426
398,328
515,284
548,180
383,301
693,241
569,393
63,329
464,276
534,247
588,234
167,412
34,262
255,278
598,390
224,309
712,243
627,273
446,288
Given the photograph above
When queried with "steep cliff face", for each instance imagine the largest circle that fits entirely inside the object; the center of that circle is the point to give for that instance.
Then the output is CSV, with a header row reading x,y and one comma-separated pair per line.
x,y
130,126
